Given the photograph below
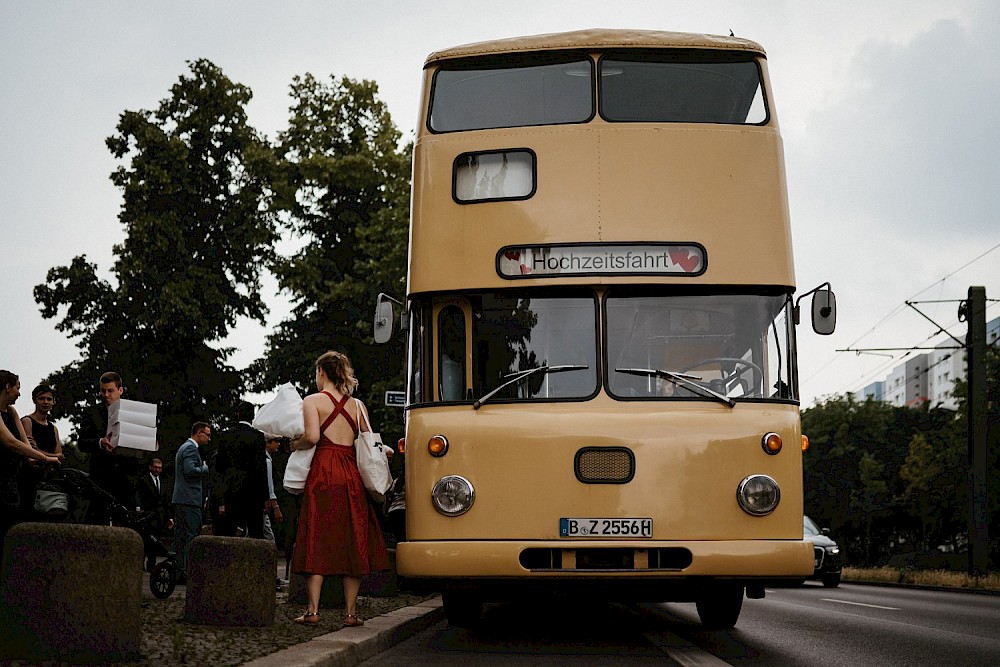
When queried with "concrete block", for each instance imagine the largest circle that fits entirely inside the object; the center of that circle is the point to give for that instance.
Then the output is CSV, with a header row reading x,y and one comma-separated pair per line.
x,y
71,592
230,581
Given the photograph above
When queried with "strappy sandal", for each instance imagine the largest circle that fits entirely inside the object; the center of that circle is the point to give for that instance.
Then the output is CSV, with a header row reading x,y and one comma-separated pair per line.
x,y
352,621
308,617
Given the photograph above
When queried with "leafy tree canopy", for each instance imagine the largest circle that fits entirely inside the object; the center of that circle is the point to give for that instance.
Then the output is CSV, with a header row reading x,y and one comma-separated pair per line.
x,y
197,227
343,192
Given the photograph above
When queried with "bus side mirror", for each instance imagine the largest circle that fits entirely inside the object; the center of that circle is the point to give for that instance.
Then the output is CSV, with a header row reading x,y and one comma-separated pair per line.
x,y
383,318
824,311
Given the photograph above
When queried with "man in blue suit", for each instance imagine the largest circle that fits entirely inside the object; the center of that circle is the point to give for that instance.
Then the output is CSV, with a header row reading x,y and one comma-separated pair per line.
x,y
187,499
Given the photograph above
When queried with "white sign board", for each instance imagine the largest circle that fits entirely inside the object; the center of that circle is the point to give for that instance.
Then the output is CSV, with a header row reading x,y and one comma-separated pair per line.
x,y
133,425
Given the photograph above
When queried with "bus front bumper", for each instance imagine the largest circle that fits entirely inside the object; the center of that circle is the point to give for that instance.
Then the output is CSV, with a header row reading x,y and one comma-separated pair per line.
x,y
735,559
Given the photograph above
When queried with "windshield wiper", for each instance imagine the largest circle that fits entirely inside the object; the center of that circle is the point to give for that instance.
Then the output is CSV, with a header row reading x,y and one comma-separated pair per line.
x,y
521,375
681,380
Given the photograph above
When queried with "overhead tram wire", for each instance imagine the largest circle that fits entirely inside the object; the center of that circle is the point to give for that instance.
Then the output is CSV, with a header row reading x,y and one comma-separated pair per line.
x,y
905,353
893,313
902,306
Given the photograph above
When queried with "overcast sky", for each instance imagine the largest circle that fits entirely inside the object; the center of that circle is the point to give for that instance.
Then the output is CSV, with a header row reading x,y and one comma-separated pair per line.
x,y
888,112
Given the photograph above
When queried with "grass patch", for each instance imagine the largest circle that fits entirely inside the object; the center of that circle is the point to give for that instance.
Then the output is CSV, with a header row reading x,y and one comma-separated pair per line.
x,y
943,578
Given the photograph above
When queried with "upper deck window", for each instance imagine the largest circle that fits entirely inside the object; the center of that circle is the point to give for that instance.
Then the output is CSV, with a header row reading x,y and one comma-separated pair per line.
x,y
681,87
512,92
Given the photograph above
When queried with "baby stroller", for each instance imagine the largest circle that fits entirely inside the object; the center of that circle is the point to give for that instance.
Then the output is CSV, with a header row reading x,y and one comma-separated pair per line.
x,y
163,575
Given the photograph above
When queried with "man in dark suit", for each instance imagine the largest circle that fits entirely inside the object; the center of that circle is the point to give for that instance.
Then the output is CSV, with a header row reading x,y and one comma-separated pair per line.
x,y
110,469
152,496
239,481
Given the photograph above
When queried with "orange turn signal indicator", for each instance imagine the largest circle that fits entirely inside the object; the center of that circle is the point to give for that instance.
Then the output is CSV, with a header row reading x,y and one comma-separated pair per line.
x,y
805,442
437,445
771,442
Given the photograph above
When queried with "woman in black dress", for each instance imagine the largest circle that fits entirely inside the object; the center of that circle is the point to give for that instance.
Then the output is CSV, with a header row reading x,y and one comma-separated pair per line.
x,y
42,433
13,448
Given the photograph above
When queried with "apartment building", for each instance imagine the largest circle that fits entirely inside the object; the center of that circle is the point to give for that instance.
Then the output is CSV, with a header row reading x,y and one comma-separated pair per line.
x,y
927,377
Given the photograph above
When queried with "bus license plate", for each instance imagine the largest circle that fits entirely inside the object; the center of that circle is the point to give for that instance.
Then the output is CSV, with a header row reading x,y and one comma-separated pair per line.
x,y
589,527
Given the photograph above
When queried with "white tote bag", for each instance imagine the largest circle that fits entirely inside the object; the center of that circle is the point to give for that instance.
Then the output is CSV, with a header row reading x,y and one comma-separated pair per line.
x,y
372,457
283,414
297,470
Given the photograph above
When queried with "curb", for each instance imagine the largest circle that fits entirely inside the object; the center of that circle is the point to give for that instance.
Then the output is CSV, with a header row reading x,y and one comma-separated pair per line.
x,y
349,646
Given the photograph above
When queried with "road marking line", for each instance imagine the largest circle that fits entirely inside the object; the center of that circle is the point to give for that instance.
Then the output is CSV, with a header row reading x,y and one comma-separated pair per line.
x,y
860,604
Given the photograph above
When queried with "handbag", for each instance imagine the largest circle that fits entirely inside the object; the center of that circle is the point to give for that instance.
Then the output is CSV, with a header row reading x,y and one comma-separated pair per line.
x,y
51,502
297,469
373,460
282,415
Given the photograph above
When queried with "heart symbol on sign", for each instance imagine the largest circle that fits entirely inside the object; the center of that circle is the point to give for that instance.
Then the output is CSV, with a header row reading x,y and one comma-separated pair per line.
x,y
685,259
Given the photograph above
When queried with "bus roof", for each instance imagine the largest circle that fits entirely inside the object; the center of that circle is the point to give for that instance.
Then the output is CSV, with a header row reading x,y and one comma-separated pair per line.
x,y
597,38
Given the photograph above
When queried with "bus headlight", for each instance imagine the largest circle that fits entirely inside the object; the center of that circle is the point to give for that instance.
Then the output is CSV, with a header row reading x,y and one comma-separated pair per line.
x,y
758,495
453,495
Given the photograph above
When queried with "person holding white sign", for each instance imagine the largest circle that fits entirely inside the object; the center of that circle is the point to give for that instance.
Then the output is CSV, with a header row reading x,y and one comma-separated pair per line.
x,y
111,471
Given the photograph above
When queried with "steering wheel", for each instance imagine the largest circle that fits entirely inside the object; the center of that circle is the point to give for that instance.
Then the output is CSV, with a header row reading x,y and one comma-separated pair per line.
x,y
758,380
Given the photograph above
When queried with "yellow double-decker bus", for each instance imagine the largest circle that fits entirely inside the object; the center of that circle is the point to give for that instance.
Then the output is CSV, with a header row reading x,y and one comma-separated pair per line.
x,y
602,396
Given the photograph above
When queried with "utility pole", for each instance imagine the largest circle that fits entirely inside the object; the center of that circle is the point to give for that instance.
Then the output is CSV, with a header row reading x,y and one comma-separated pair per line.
x,y
974,310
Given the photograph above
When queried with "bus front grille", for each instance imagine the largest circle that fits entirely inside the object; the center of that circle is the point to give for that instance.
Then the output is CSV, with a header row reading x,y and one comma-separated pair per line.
x,y
606,558
604,465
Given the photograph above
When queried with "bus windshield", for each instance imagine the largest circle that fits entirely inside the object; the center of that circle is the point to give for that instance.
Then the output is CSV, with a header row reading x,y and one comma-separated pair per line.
x,y
513,333
666,346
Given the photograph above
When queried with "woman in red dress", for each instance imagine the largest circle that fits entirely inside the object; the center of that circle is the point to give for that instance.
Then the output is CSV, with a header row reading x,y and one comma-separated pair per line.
x,y
338,530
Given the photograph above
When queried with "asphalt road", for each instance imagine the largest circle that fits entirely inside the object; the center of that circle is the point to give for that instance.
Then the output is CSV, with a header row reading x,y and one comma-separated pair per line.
x,y
850,625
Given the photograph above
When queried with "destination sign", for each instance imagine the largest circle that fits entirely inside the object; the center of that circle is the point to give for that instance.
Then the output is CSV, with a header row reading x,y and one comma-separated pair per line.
x,y
649,259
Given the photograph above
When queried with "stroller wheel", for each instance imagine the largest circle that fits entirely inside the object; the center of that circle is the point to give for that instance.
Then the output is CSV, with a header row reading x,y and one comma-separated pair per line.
x,y
161,579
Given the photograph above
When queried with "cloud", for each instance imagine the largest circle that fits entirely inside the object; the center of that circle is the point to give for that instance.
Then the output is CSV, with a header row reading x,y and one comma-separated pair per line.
x,y
913,141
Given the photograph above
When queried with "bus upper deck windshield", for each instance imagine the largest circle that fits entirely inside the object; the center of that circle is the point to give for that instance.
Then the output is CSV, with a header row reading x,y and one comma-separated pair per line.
x,y
662,86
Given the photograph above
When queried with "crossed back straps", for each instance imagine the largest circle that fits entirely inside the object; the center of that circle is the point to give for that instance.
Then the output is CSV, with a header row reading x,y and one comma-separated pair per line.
x,y
338,409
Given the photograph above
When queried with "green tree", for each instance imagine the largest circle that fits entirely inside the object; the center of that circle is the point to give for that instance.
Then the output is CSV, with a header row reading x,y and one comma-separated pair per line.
x,y
935,489
343,194
197,232
869,502
846,470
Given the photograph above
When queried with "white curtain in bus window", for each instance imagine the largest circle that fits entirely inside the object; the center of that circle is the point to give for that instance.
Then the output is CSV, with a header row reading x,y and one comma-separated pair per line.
x,y
658,88
493,176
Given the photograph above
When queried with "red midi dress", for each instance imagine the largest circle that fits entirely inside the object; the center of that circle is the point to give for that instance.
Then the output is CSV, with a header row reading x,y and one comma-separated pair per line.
x,y
338,530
